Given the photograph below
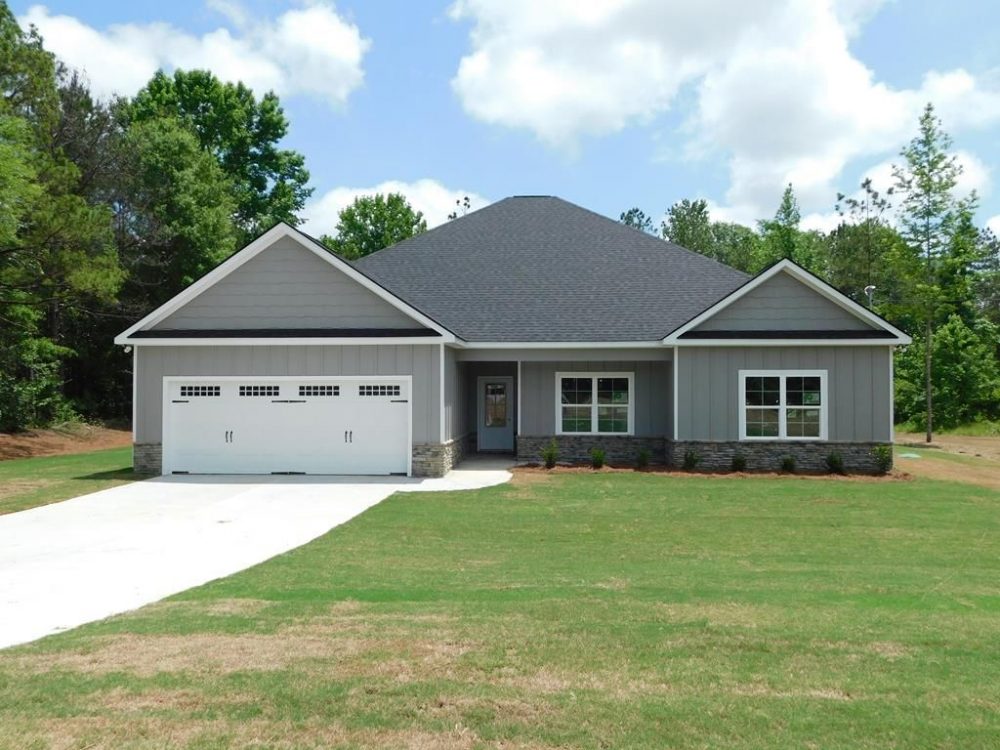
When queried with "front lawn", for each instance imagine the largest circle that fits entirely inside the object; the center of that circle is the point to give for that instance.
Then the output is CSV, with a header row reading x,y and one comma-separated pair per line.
x,y
29,482
593,611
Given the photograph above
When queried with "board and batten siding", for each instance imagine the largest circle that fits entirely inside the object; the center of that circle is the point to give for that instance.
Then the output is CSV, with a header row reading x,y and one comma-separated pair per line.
x,y
286,286
859,390
653,394
783,303
419,361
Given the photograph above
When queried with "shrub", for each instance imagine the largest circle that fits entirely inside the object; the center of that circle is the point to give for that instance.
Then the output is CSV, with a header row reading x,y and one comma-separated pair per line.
x,y
597,457
550,454
691,460
788,464
835,463
883,457
642,458
739,462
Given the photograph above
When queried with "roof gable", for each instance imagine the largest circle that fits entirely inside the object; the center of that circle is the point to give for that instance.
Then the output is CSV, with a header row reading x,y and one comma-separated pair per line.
x,y
283,281
786,302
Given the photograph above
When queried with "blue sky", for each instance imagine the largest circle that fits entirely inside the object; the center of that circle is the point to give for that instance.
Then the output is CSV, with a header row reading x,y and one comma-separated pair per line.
x,y
608,104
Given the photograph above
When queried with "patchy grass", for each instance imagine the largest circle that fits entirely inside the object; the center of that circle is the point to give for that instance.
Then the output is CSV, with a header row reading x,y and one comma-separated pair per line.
x,y
942,464
30,482
569,611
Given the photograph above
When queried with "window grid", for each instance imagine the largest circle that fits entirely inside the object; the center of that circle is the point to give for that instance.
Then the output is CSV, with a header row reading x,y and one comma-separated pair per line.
x,y
783,405
319,390
594,403
378,390
194,391
260,390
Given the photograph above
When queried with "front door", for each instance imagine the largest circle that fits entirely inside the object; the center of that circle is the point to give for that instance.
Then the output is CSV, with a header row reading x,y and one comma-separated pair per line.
x,y
496,414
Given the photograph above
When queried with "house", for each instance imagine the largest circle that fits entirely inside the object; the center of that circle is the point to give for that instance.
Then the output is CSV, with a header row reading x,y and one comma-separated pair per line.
x,y
528,320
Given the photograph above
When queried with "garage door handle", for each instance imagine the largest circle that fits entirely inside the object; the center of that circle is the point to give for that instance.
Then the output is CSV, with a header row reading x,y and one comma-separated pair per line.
x,y
352,436
345,436
398,401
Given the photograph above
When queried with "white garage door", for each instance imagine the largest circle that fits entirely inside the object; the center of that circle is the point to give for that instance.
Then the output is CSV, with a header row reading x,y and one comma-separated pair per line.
x,y
286,425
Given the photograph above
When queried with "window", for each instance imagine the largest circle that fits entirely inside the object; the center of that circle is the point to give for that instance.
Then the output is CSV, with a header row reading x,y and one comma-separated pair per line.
x,y
495,402
594,403
260,390
194,391
783,405
378,390
319,390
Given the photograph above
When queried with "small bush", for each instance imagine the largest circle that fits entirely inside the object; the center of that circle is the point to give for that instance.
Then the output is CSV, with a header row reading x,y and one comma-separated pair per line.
x,y
835,463
550,454
596,458
739,462
691,460
642,458
883,457
788,464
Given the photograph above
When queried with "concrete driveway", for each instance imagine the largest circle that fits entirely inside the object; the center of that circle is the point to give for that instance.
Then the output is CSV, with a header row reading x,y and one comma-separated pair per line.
x,y
84,559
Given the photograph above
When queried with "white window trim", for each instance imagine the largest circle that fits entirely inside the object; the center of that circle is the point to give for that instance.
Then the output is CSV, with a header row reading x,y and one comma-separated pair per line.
x,y
594,405
782,436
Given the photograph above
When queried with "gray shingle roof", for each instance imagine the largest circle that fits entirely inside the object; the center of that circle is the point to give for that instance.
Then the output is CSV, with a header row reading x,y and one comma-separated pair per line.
x,y
537,268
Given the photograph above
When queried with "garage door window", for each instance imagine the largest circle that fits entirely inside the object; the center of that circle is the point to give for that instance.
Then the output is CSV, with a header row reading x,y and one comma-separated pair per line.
x,y
260,390
196,391
378,390
319,390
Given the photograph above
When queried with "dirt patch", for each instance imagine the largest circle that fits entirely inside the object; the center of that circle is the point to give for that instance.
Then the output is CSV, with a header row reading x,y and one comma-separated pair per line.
x,y
766,691
111,732
146,656
929,466
60,441
981,446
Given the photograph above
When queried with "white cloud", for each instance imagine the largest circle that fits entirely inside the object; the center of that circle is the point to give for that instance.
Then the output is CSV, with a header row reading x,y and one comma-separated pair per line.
x,y
309,50
428,196
993,224
777,90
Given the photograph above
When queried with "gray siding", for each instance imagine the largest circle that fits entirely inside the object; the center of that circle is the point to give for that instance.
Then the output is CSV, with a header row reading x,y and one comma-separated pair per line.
x,y
783,303
653,394
858,388
420,361
286,286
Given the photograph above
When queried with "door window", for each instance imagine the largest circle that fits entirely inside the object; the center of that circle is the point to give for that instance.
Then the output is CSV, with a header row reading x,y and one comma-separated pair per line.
x,y
496,404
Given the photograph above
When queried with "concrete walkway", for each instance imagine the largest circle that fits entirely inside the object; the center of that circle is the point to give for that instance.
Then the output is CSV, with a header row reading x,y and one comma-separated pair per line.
x,y
84,559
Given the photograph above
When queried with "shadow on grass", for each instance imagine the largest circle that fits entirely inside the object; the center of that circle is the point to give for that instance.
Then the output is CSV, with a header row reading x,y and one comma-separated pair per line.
x,y
123,473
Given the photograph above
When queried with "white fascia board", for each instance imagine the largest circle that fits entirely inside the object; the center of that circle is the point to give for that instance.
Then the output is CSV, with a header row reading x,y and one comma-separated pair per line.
x,y
783,342
813,282
272,235
290,341
559,344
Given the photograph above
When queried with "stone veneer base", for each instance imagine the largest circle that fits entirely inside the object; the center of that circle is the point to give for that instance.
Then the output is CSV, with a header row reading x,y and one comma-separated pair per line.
x,y
618,449
437,459
147,458
858,458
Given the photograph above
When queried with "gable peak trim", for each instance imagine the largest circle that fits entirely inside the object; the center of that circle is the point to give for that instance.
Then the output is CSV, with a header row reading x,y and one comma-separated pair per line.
x,y
804,276
252,250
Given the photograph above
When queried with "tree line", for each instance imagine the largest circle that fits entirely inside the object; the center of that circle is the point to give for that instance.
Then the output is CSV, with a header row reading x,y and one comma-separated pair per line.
x,y
913,254
110,208
107,209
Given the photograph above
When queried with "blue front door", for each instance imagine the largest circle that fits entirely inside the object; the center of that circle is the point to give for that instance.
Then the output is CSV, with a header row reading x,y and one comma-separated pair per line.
x,y
496,414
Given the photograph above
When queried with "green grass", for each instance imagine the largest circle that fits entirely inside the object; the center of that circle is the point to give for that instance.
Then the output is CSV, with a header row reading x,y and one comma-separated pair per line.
x,y
576,610
29,482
